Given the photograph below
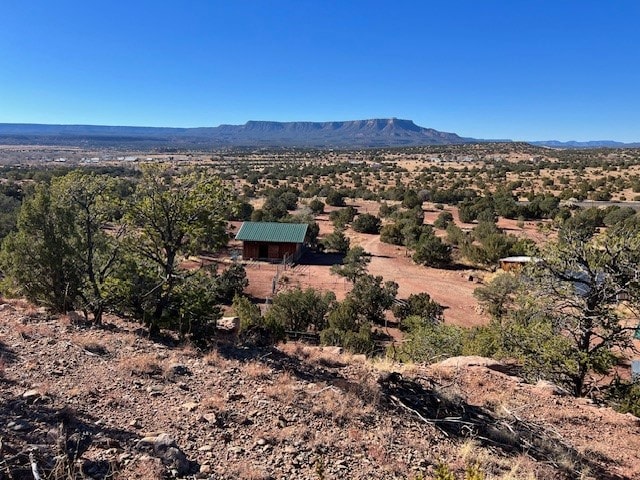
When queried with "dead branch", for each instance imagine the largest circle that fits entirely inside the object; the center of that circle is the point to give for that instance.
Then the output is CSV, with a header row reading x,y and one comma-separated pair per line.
x,y
34,467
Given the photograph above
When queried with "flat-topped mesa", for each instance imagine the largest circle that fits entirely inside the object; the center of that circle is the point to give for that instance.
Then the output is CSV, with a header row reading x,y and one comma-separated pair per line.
x,y
375,132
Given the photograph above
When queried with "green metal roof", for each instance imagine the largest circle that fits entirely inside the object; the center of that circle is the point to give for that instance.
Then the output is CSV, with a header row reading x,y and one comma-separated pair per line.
x,y
272,232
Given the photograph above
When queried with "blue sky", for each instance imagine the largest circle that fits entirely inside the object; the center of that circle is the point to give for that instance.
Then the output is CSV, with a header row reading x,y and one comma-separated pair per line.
x,y
525,70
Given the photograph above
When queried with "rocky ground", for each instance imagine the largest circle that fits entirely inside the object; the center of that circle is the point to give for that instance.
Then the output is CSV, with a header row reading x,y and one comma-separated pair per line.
x,y
79,401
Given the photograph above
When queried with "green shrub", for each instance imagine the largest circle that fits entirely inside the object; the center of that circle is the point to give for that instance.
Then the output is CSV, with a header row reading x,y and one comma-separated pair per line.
x,y
443,220
366,223
624,396
316,206
298,309
428,342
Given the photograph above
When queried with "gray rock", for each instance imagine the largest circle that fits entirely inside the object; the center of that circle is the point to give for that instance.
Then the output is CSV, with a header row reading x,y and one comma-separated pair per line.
x,y
177,460
164,446
178,369
19,426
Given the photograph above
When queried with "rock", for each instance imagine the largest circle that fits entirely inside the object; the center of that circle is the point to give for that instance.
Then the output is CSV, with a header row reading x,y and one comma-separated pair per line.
x,y
468,361
19,426
164,446
178,369
190,406
31,394
177,460
135,423
261,441
209,418
544,386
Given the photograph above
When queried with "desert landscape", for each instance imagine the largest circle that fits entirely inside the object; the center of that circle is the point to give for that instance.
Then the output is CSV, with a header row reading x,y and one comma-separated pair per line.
x,y
319,240
275,389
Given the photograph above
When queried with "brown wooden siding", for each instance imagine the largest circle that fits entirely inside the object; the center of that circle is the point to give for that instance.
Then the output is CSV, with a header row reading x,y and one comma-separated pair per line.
x,y
270,251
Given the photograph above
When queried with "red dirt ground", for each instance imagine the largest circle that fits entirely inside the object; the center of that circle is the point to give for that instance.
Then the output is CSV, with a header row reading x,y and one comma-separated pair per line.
x,y
450,288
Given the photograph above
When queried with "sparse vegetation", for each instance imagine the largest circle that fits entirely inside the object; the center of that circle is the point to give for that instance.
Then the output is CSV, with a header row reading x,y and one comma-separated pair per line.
x,y
138,243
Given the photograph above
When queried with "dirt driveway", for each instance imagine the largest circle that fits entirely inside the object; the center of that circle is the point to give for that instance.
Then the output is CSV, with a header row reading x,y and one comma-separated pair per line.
x,y
450,288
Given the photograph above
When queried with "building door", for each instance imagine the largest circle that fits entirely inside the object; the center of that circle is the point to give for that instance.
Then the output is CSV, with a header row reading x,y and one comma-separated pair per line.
x,y
263,250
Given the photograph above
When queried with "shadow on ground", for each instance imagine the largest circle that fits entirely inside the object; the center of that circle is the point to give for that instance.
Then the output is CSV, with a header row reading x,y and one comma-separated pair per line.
x,y
321,259
56,438
426,402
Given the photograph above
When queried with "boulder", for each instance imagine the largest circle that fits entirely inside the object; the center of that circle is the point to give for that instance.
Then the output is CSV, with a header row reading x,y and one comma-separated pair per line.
x,y
165,448
469,361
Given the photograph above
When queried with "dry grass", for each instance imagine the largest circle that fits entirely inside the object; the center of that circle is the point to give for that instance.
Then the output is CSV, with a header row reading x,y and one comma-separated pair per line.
x,y
247,471
283,388
142,365
257,371
216,403
18,303
89,344
144,468
215,359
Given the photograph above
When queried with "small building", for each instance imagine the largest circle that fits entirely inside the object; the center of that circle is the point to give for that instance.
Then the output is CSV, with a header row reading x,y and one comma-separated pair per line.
x,y
515,264
272,240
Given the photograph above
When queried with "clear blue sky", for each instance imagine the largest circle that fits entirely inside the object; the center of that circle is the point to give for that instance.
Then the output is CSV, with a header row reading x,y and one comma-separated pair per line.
x,y
534,70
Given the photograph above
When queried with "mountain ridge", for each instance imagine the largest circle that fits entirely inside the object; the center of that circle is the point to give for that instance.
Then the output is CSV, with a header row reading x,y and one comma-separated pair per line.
x,y
367,133
585,144
377,132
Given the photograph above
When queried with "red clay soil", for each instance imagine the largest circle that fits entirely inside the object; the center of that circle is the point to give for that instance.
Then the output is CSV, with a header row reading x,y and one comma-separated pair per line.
x,y
451,288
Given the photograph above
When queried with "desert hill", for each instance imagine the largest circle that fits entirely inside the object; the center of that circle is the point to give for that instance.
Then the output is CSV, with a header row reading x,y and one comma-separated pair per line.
x,y
81,401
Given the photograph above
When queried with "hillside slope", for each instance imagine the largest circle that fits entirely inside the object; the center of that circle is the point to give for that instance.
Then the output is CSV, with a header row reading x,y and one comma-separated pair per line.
x,y
108,401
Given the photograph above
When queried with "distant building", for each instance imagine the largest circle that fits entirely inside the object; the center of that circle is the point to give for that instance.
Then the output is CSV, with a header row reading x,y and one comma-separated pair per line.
x,y
515,264
271,240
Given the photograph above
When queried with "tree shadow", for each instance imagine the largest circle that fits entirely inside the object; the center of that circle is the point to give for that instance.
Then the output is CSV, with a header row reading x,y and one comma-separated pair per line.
x,y
7,355
457,267
509,434
56,437
455,417
321,259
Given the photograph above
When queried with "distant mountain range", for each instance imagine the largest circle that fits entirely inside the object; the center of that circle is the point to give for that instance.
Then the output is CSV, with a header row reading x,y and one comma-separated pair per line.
x,y
591,144
387,132
390,132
